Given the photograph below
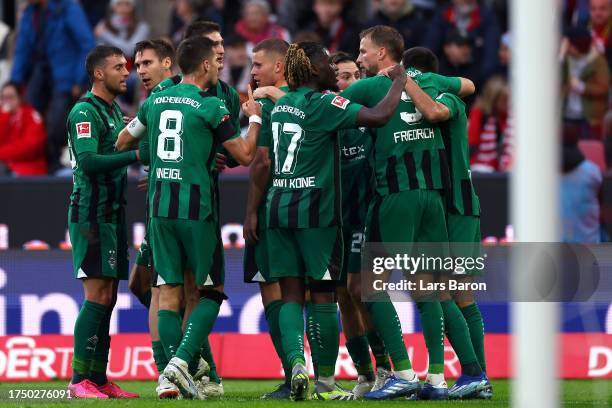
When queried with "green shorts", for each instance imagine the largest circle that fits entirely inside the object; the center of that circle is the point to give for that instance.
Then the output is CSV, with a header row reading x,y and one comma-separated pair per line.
x,y
255,259
315,253
99,250
353,237
407,216
464,232
179,245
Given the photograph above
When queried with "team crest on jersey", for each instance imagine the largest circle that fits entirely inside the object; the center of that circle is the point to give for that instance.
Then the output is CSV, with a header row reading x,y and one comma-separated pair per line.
x,y
112,259
83,129
340,102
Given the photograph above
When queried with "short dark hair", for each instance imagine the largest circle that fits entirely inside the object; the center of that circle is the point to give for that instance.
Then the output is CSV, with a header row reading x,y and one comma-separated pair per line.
x,y
201,29
162,48
274,45
340,57
97,56
420,58
387,37
10,84
191,52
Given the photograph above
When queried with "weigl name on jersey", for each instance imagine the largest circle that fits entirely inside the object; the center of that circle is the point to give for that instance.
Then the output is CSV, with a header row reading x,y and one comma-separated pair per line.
x,y
414,134
169,174
298,182
178,99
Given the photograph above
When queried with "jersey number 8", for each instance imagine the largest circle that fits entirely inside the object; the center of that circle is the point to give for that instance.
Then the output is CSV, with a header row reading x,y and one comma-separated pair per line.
x,y
295,135
169,142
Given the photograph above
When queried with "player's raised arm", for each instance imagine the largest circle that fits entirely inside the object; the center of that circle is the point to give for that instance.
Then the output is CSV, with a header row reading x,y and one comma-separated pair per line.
x,y
243,149
130,135
380,114
432,111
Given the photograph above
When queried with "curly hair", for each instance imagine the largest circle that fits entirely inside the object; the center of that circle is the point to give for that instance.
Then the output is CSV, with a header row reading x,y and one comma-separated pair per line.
x,y
299,63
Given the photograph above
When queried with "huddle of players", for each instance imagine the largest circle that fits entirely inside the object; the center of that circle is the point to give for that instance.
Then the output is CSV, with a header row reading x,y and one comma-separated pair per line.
x,y
293,211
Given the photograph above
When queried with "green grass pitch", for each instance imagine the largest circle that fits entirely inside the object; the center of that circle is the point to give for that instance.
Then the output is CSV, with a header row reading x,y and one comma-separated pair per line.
x,y
246,393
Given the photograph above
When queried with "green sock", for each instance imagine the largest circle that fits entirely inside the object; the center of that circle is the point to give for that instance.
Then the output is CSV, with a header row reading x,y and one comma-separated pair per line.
x,y
86,338
291,323
159,356
378,349
145,299
310,334
327,338
272,311
388,326
473,318
459,337
198,328
432,322
360,353
99,359
194,362
169,325
207,355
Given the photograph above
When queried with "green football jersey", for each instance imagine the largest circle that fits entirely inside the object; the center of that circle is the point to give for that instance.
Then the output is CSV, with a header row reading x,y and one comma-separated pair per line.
x,y
409,151
223,91
357,174
463,198
306,191
93,126
184,126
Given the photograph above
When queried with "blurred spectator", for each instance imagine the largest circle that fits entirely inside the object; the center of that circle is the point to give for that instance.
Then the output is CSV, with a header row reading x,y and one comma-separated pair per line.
x,y
186,12
95,10
586,81
601,27
237,67
256,24
23,140
306,36
336,34
121,28
457,60
580,189
294,15
503,56
405,17
490,129
574,12
53,40
5,32
471,19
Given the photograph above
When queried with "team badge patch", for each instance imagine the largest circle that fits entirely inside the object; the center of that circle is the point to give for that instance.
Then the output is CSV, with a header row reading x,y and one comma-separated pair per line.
x,y
83,129
340,102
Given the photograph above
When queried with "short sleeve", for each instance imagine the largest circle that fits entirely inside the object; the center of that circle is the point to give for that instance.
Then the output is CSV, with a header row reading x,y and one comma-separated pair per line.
x,y
265,133
446,84
220,121
336,112
84,128
361,92
452,102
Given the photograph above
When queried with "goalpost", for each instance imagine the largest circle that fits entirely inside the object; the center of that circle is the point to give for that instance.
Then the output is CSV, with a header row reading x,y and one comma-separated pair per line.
x,y
534,192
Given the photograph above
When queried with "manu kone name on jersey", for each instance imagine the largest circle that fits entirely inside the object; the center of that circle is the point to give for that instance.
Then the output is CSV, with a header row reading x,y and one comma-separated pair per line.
x,y
297,182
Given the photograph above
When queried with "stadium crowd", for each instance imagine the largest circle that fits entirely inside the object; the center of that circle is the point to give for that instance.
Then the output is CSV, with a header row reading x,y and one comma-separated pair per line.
x,y
471,38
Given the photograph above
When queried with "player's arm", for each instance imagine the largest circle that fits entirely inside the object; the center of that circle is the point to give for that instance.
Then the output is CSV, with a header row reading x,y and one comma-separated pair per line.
x,y
432,111
83,131
130,136
380,114
259,175
243,149
467,87
271,92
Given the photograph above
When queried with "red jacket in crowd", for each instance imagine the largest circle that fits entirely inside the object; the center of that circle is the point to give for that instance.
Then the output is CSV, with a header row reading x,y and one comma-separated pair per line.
x,y
23,142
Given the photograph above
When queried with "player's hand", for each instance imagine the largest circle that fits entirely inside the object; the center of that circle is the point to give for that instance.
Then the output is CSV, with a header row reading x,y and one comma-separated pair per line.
x,y
137,154
249,230
143,184
127,119
221,162
262,92
251,107
397,72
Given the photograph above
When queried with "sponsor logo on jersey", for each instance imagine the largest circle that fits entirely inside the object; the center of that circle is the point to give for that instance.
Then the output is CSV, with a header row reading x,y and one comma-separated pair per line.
x,y
83,129
340,102
224,118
